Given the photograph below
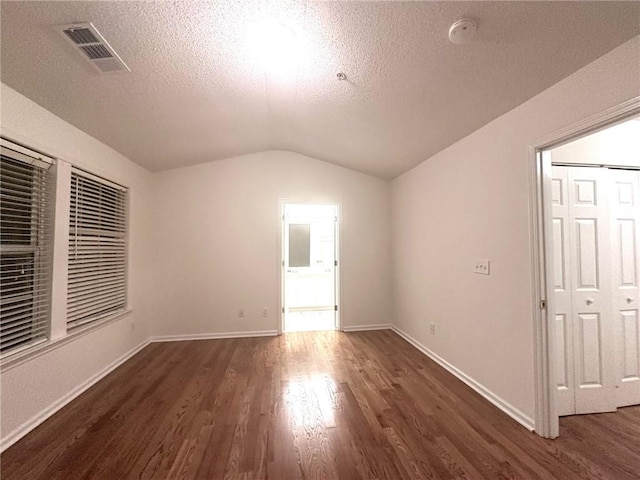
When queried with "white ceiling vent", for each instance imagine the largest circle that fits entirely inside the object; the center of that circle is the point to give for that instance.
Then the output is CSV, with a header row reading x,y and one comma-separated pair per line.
x,y
93,47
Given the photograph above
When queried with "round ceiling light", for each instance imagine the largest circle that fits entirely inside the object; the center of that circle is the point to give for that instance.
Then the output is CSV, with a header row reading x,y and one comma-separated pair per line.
x,y
462,31
277,46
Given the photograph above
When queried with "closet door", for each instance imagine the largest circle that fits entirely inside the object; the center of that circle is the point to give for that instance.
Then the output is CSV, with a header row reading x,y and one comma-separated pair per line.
x,y
625,216
584,307
566,400
591,296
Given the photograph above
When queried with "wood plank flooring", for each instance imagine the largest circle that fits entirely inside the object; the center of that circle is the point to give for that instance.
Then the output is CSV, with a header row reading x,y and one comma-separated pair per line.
x,y
307,406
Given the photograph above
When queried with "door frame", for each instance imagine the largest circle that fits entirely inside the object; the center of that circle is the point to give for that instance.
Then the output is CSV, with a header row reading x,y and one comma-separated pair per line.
x,y
546,417
281,259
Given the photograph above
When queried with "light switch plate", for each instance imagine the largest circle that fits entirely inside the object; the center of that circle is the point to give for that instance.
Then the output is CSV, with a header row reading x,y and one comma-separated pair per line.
x,y
481,267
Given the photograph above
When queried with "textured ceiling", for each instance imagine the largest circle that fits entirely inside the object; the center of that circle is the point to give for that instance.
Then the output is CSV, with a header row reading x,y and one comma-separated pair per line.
x,y
196,94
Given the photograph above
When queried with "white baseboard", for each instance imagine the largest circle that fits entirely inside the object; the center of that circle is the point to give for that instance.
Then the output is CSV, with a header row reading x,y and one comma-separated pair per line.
x,y
214,336
36,420
364,328
506,407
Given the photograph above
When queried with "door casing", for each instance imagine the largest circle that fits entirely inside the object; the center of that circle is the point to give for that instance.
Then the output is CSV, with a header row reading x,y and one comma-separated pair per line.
x,y
546,416
281,258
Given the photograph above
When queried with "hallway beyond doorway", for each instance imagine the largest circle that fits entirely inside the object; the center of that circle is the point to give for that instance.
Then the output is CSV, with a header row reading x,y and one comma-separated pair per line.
x,y
310,266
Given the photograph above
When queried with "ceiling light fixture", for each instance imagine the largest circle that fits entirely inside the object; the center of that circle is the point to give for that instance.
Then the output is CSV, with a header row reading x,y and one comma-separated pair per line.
x,y
278,48
462,31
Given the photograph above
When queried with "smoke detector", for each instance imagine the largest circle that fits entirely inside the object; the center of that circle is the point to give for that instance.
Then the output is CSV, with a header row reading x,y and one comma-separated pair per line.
x,y
462,31
92,46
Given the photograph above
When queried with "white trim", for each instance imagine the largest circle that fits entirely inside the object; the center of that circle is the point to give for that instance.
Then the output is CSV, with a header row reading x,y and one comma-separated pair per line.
x,y
32,156
364,328
337,272
546,418
60,270
98,178
68,156
544,341
487,394
214,336
36,420
281,259
590,125
23,356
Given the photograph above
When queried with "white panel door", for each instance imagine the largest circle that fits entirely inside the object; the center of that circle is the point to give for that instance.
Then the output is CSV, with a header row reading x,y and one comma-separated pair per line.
x,y
592,308
625,216
566,401
584,330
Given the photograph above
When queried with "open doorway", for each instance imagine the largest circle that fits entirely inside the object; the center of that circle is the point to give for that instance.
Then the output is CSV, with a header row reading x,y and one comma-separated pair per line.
x,y
310,267
589,228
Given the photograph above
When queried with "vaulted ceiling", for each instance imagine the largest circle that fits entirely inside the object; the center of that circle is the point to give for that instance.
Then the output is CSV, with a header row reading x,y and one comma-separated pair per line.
x,y
196,92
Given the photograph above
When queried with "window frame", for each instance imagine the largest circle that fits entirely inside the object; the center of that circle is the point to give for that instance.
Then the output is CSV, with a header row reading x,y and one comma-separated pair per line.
x,y
58,334
91,177
40,231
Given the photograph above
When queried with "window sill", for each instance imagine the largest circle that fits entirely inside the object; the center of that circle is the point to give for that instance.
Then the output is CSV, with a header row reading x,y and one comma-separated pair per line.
x,y
28,354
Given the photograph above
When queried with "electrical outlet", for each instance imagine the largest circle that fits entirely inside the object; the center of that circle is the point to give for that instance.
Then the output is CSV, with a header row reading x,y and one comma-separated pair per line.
x,y
241,313
481,267
432,328
265,312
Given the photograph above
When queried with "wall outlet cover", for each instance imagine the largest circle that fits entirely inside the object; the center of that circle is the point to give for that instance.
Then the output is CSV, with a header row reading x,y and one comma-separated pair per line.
x,y
481,267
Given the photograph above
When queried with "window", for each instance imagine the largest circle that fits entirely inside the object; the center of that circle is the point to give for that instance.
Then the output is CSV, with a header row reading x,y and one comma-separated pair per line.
x,y
25,256
94,259
97,285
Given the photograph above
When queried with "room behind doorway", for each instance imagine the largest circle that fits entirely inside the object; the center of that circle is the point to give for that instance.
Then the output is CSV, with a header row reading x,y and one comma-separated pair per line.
x,y
310,266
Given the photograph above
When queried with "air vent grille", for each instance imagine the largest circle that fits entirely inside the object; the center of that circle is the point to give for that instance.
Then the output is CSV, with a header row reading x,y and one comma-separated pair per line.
x,y
80,36
96,51
86,40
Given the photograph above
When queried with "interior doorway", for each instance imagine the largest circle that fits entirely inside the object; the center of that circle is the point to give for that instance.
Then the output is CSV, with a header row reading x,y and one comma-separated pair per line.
x,y
309,267
588,243
596,234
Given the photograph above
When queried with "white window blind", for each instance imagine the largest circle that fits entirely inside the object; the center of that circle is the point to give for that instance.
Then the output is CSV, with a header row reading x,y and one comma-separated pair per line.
x,y
25,254
97,281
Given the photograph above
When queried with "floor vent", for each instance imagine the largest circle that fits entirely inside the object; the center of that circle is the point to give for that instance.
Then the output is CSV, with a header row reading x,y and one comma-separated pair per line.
x,y
93,47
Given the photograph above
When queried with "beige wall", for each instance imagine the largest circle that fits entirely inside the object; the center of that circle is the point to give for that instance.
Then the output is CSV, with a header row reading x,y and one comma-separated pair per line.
x,y
31,388
616,145
217,249
472,201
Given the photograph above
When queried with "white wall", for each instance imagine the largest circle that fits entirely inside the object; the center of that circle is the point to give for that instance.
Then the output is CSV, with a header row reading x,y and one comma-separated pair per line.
x,y
472,201
217,250
205,242
30,389
616,145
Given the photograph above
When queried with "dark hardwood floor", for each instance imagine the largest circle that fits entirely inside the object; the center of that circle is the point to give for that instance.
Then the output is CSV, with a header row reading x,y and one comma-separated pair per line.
x,y
308,405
